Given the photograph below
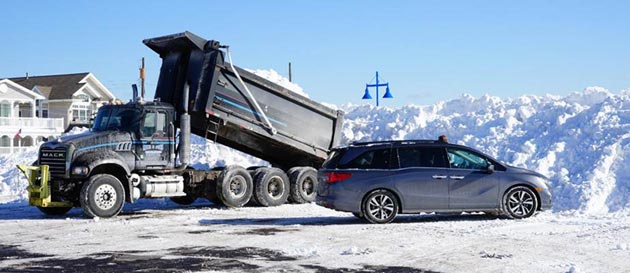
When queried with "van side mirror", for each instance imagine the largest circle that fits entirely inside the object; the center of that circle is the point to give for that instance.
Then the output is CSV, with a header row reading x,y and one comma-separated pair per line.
x,y
490,168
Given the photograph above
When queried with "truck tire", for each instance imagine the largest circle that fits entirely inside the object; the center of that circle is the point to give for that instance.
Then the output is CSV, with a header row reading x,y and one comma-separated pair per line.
x,y
183,200
253,202
235,186
54,211
293,170
271,187
303,185
102,196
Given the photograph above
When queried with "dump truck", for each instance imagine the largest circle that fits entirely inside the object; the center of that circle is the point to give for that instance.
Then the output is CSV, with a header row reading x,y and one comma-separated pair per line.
x,y
142,149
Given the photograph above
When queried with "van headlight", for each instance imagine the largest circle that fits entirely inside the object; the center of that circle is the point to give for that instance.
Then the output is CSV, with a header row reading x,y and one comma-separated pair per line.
x,y
80,170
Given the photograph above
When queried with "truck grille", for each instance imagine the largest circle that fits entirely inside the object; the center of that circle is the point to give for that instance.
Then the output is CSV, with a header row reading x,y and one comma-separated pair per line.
x,y
55,158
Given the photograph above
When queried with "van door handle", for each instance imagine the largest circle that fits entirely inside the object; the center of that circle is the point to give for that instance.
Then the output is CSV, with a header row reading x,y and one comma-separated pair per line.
x,y
439,176
457,177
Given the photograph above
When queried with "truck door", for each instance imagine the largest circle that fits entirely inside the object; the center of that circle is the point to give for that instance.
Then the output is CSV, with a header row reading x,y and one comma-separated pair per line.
x,y
153,147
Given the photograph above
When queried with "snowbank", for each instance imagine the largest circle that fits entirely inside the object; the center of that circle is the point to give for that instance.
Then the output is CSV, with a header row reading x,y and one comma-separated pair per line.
x,y
581,141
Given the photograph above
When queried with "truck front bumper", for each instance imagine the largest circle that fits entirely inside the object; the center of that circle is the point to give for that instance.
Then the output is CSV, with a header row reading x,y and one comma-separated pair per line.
x,y
39,193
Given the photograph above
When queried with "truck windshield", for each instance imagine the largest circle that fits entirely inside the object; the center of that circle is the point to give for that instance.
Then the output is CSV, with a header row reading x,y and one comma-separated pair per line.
x,y
122,119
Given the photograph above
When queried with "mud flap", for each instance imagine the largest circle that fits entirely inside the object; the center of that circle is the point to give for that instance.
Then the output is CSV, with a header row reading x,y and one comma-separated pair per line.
x,y
38,189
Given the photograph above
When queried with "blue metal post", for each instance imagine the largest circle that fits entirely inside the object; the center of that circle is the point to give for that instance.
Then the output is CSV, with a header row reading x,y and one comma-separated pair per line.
x,y
376,88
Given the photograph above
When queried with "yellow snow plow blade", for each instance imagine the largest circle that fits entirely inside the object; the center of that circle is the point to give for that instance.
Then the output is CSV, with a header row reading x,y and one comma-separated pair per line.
x,y
38,188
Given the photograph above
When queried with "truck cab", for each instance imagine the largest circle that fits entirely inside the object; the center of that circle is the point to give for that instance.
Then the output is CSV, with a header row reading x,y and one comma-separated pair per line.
x,y
126,139
147,130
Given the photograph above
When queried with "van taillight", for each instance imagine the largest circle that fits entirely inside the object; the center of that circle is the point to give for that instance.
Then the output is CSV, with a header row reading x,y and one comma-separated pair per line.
x,y
334,177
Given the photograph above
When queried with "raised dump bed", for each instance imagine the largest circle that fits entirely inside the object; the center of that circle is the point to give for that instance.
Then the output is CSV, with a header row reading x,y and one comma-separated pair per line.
x,y
299,131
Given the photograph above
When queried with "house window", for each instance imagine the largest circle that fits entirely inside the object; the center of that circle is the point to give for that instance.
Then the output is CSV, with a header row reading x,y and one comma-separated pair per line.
x,y
43,107
5,141
83,97
5,109
80,113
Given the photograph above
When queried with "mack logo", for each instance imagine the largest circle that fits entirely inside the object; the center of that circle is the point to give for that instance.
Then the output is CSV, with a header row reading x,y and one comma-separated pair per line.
x,y
53,155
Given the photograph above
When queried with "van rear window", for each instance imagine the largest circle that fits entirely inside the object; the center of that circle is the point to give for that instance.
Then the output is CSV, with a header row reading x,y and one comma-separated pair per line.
x,y
333,158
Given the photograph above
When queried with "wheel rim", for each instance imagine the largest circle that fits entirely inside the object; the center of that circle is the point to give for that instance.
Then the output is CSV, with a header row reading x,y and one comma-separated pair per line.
x,y
380,207
105,197
238,186
275,188
308,186
520,203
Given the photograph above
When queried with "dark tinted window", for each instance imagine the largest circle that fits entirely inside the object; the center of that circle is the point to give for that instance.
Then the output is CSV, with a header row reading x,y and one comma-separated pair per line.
x,y
373,159
333,158
431,157
123,119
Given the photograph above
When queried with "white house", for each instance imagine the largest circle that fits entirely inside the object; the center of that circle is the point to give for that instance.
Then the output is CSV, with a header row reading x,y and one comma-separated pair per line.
x,y
35,108
73,97
19,126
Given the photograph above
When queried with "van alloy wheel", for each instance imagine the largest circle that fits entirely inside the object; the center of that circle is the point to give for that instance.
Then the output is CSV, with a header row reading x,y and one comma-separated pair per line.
x,y
520,202
380,207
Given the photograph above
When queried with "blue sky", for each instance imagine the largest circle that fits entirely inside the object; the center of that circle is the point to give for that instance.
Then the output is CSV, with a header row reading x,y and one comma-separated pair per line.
x,y
427,50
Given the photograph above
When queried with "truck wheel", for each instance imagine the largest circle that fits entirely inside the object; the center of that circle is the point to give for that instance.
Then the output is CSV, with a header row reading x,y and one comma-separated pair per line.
x,y
271,187
253,202
234,186
54,211
102,196
293,170
184,200
303,185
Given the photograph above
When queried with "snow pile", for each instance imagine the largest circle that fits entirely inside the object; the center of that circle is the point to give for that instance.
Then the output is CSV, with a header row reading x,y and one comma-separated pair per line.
x,y
12,182
581,141
275,77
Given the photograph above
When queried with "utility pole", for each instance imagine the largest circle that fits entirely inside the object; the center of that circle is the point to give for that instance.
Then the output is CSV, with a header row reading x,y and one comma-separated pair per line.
x,y
142,79
290,72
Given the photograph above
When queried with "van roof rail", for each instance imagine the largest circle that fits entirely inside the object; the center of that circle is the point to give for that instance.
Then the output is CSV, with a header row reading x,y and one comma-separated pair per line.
x,y
409,141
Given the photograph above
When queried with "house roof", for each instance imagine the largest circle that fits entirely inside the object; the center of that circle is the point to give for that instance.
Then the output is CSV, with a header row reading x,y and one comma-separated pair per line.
x,y
45,90
20,88
57,86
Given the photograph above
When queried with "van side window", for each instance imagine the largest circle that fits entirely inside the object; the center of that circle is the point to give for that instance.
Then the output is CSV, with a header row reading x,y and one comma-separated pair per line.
x,y
462,159
431,157
373,159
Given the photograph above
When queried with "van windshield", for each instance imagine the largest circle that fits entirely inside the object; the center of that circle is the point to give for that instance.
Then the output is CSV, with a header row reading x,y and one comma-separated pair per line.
x,y
117,118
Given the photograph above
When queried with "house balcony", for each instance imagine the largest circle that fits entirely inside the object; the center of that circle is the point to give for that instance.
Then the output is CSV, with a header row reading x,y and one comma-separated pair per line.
x,y
32,132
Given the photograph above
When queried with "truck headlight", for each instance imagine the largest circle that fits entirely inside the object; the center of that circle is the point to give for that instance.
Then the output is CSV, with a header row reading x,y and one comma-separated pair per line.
x,y
80,170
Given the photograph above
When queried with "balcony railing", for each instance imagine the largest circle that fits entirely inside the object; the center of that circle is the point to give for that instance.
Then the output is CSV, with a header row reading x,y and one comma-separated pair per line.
x,y
35,123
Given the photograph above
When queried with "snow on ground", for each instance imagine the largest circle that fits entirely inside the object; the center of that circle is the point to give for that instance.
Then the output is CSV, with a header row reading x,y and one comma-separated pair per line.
x,y
307,238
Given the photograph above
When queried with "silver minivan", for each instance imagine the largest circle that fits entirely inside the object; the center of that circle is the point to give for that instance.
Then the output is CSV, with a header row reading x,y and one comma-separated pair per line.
x,y
378,180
